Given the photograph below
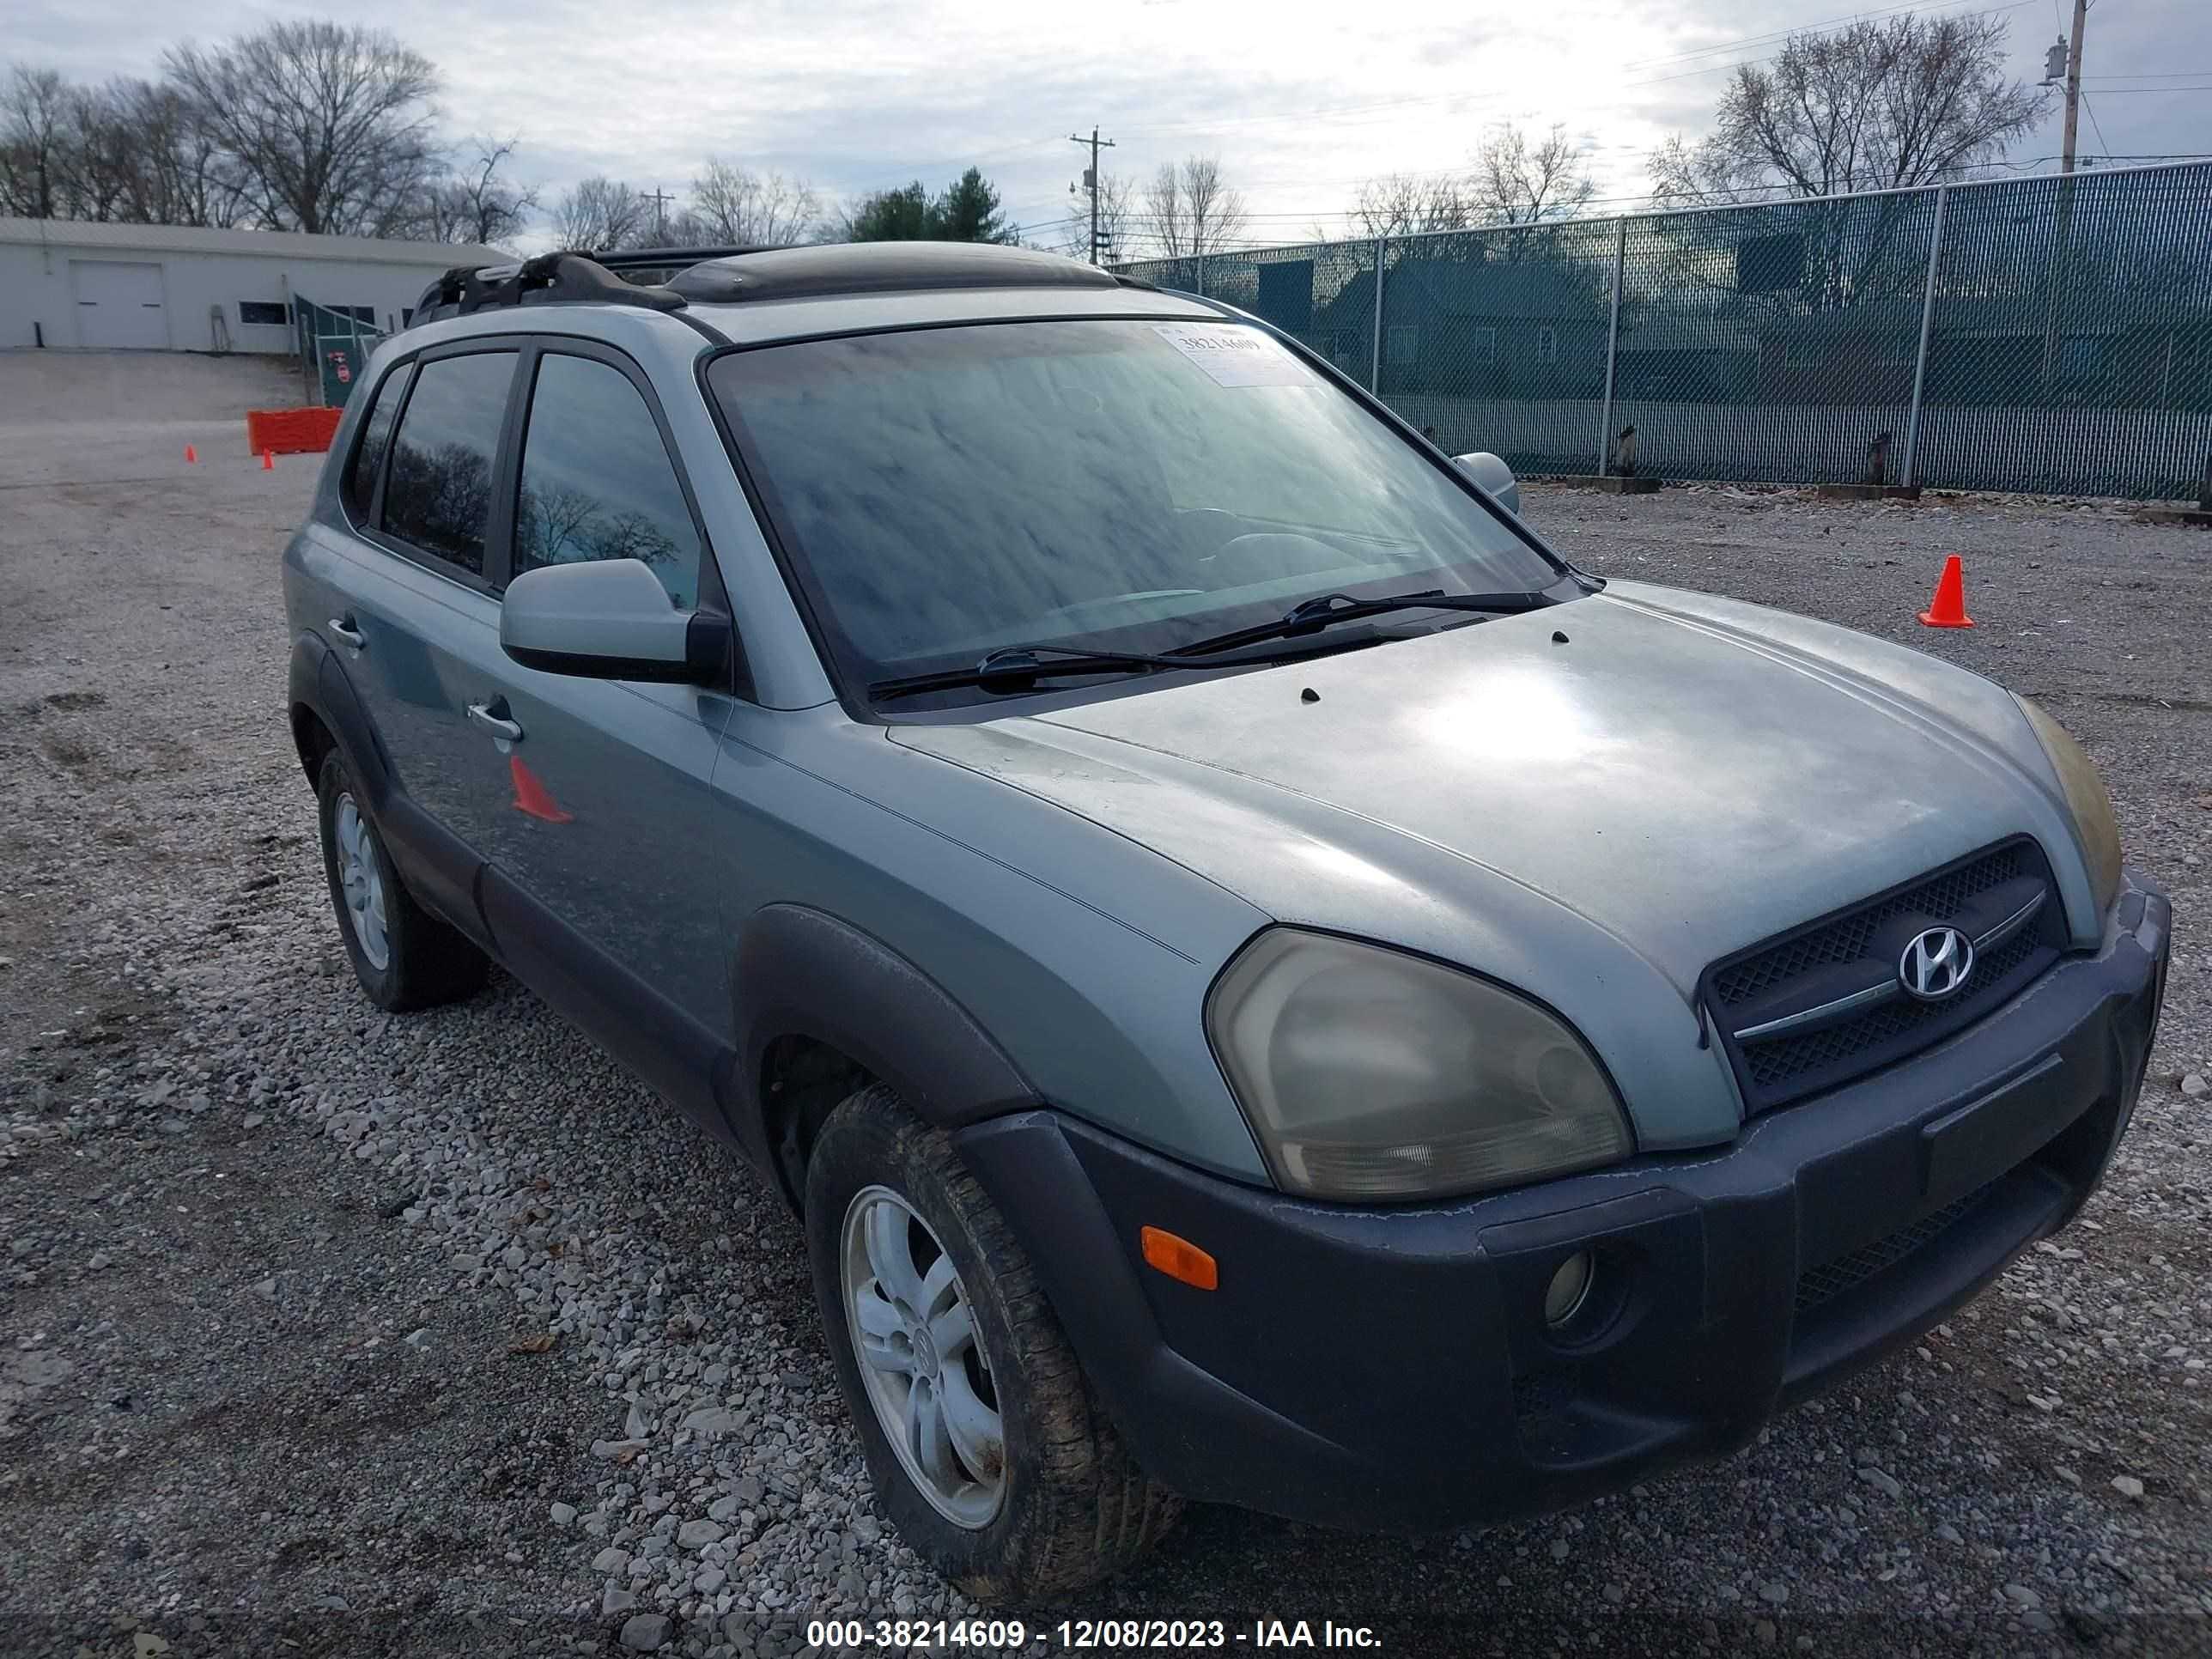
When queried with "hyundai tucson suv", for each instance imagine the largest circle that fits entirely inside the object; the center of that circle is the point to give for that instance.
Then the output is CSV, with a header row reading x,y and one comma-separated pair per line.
x,y
1262,982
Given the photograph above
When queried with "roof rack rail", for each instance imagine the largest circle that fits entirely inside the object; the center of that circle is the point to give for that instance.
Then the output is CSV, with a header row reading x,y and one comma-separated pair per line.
x,y
556,278
655,259
831,268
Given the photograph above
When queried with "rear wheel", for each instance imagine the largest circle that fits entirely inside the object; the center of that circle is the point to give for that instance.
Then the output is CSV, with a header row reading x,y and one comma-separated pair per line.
x,y
403,957
988,1450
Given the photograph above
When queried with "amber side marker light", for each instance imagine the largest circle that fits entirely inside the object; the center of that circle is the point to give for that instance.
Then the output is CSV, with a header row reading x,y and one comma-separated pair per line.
x,y
1179,1258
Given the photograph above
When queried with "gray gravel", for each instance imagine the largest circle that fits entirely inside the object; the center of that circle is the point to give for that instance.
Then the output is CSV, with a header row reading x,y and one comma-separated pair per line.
x,y
439,1335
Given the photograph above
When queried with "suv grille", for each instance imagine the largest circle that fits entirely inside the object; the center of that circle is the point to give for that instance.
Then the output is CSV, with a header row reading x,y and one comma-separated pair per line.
x,y
2002,898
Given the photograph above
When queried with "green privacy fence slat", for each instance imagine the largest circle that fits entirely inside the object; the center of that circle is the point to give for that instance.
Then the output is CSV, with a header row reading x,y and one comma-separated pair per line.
x,y
336,342
2038,334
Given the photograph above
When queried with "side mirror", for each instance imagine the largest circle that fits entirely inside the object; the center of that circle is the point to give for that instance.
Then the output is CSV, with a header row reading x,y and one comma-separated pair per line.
x,y
1494,476
609,619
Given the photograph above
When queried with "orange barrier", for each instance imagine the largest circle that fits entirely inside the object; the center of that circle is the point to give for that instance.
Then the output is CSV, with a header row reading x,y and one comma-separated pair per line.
x,y
291,431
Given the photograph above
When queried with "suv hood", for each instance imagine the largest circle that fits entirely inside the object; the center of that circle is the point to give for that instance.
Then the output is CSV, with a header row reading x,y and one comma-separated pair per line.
x,y
1591,802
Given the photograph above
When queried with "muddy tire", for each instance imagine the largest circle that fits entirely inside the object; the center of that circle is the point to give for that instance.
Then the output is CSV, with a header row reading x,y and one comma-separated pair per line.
x,y
988,1449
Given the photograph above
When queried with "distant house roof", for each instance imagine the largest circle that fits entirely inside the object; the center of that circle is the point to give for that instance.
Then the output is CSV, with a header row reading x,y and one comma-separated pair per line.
x,y
272,244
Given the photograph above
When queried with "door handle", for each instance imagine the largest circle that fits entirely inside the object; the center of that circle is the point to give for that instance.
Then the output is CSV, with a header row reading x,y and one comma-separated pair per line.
x,y
344,631
506,730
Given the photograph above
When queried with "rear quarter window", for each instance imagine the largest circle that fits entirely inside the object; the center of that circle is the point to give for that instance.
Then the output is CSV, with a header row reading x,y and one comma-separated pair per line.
x,y
359,488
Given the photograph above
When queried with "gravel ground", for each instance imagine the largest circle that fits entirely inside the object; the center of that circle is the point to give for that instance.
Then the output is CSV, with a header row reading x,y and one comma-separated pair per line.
x,y
325,1332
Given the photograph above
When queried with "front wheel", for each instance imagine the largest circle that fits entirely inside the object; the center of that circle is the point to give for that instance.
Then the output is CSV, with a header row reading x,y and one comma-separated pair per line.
x,y
987,1448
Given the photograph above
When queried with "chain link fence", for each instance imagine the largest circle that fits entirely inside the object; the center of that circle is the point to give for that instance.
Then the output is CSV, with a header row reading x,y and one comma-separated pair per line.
x,y
2050,334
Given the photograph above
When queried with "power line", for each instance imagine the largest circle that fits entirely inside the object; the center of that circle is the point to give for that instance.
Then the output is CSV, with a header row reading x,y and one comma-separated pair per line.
x,y
2097,126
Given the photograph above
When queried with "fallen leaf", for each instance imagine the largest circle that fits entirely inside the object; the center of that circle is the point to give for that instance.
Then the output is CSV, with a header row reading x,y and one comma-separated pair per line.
x,y
541,1343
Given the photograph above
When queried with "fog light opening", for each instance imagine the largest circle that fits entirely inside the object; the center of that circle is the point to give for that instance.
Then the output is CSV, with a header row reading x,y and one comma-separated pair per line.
x,y
1569,1291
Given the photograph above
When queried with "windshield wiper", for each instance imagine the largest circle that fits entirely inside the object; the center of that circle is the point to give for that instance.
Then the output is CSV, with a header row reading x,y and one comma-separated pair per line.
x,y
1311,616
1017,667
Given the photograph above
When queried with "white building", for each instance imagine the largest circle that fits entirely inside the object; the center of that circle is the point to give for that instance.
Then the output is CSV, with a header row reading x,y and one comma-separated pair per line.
x,y
67,282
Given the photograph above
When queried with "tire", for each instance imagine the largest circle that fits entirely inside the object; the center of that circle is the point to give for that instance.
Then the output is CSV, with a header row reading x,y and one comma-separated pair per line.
x,y
424,962
1072,1505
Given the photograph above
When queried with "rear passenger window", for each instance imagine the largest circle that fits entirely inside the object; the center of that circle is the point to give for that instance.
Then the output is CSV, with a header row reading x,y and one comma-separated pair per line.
x,y
597,482
375,437
439,494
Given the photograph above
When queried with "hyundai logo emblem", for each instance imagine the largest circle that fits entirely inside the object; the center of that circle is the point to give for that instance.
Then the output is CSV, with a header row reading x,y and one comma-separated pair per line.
x,y
1936,964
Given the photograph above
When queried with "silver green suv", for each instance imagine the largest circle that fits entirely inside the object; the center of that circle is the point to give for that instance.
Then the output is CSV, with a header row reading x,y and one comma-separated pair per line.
x,y
1265,984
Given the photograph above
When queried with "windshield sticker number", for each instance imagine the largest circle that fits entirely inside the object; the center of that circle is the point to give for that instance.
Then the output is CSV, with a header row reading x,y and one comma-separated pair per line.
x,y
1235,356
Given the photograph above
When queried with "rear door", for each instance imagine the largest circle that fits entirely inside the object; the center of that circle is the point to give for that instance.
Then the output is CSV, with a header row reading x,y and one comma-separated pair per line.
x,y
590,797
415,616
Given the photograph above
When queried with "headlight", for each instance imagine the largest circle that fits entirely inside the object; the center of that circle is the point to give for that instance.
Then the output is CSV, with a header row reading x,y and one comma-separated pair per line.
x,y
1369,1074
2099,831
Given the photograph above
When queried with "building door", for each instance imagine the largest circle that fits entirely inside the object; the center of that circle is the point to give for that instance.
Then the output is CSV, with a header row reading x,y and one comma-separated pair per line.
x,y
119,305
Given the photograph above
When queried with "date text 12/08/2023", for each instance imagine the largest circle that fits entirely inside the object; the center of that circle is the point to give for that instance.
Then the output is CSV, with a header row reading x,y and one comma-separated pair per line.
x,y
1009,1635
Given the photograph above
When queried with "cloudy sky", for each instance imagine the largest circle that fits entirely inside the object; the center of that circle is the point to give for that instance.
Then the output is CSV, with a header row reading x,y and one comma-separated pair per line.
x,y
1300,103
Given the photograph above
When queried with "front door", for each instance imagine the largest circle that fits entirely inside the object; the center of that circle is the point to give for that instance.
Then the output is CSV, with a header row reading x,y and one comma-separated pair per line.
x,y
591,796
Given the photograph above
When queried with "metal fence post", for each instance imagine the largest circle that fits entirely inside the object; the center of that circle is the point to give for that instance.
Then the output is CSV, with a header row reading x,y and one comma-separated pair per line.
x,y
1612,346
1927,321
1375,349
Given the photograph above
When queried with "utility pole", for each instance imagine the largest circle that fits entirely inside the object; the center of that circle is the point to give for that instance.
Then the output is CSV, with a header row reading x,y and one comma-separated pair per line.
x,y
660,199
2074,84
2062,263
1090,180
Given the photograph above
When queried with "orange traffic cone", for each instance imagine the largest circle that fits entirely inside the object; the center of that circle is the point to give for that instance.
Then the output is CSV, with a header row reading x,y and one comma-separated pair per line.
x,y
192,456
532,796
1948,608
268,460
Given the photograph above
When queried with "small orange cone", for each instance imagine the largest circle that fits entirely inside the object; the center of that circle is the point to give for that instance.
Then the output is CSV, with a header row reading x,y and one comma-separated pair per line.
x,y
268,460
532,796
192,456
1948,608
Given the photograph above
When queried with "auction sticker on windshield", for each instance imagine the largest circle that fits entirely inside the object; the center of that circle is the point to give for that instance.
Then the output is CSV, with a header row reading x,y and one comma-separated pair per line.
x,y
1235,356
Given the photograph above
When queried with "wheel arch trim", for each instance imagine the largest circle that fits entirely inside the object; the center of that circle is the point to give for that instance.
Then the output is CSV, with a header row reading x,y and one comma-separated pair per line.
x,y
801,972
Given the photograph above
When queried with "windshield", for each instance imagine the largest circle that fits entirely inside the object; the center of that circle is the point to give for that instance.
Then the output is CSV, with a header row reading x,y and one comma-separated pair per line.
x,y
1120,484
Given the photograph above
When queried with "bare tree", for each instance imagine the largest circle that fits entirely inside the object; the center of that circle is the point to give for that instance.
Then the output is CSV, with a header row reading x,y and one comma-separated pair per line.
x,y
1519,183
1190,212
734,204
101,159
180,175
1898,102
329,125
473,203
35,142
1403,204
603,213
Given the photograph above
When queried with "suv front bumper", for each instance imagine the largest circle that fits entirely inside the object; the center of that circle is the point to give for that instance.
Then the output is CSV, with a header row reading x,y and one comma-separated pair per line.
x,y
1393,1369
